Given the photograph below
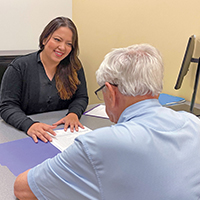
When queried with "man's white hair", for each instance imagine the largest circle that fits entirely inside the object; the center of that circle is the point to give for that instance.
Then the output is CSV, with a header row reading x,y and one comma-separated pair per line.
x,y
137,70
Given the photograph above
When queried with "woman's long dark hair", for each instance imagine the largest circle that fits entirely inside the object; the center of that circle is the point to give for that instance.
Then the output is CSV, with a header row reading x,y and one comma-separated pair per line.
x,y
66,73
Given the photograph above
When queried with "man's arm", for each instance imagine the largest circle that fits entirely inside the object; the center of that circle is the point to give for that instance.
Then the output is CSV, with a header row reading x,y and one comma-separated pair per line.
x,y
21,188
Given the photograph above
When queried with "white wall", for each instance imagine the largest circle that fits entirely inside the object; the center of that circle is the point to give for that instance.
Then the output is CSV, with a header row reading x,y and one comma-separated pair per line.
x,y
22,21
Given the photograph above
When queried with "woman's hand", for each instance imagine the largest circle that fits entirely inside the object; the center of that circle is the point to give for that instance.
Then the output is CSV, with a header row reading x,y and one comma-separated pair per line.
x,y
71,120
40,130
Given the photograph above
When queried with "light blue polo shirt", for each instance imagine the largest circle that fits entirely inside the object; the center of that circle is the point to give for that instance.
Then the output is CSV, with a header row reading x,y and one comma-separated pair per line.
x,y
152,153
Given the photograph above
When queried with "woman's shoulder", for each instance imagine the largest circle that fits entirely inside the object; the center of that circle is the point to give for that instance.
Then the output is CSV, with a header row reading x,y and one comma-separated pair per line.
x,y
24,59
25,63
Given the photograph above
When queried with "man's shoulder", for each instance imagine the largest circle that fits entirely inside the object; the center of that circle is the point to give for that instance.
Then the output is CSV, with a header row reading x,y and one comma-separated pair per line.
x,y
112,133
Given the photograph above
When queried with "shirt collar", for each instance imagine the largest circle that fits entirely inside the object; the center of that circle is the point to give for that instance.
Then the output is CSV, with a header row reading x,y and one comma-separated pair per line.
x,y
138,109
38,56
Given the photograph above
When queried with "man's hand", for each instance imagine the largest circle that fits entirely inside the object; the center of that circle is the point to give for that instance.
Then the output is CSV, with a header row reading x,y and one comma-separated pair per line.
x,y
40,130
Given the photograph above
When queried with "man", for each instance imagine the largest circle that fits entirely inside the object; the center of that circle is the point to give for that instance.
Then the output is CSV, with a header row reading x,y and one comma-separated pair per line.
x,y
152,152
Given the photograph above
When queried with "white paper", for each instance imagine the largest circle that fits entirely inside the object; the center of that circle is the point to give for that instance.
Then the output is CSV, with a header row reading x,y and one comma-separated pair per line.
x,y
64,139
98,111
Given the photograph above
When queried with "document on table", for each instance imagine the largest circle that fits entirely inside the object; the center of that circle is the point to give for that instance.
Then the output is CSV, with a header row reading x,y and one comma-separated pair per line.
x,y
64,139
97,111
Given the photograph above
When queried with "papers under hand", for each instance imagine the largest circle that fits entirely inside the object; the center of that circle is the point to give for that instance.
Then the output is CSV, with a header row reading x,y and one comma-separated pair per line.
x,y
97,111
64,139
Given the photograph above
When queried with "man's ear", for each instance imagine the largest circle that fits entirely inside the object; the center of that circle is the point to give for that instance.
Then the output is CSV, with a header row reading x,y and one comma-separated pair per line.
x,y
111,94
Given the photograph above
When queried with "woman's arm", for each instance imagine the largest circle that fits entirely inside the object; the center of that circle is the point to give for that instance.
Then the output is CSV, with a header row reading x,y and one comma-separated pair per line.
x,y
80,98
11,103
77,106
11,99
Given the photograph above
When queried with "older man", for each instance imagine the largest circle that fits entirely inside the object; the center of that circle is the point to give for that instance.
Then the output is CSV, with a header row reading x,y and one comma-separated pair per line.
x,y
152,152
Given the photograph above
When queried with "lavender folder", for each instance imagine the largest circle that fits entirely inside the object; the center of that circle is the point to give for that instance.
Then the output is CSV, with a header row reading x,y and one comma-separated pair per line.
x,y
23,154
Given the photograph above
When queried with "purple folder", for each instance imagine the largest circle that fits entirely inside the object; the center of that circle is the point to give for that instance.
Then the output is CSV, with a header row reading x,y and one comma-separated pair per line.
x,y
23,154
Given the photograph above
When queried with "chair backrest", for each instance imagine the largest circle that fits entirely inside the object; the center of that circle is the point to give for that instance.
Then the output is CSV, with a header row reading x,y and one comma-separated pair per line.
x,y
3,67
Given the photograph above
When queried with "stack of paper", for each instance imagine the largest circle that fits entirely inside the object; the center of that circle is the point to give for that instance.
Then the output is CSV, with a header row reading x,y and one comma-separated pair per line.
x,y
64,139
97,111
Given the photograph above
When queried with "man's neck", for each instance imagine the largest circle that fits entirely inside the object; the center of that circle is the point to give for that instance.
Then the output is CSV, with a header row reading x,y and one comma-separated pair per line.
x,y
126,101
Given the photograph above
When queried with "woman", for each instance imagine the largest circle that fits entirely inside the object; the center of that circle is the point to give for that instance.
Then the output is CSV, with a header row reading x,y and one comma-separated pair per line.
x,y
47,80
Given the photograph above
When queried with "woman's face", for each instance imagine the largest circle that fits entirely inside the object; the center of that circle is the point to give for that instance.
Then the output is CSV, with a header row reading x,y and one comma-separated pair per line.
x,y
58,46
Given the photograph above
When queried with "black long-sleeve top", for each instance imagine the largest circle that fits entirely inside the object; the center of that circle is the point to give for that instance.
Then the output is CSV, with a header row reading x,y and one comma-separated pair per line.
x,y
26,90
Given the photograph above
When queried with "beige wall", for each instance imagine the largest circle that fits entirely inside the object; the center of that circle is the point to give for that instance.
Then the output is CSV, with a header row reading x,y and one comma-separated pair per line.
x,y
165,24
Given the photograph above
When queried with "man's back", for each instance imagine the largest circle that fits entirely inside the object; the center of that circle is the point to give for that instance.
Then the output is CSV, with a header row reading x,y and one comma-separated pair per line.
x,y
152,153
